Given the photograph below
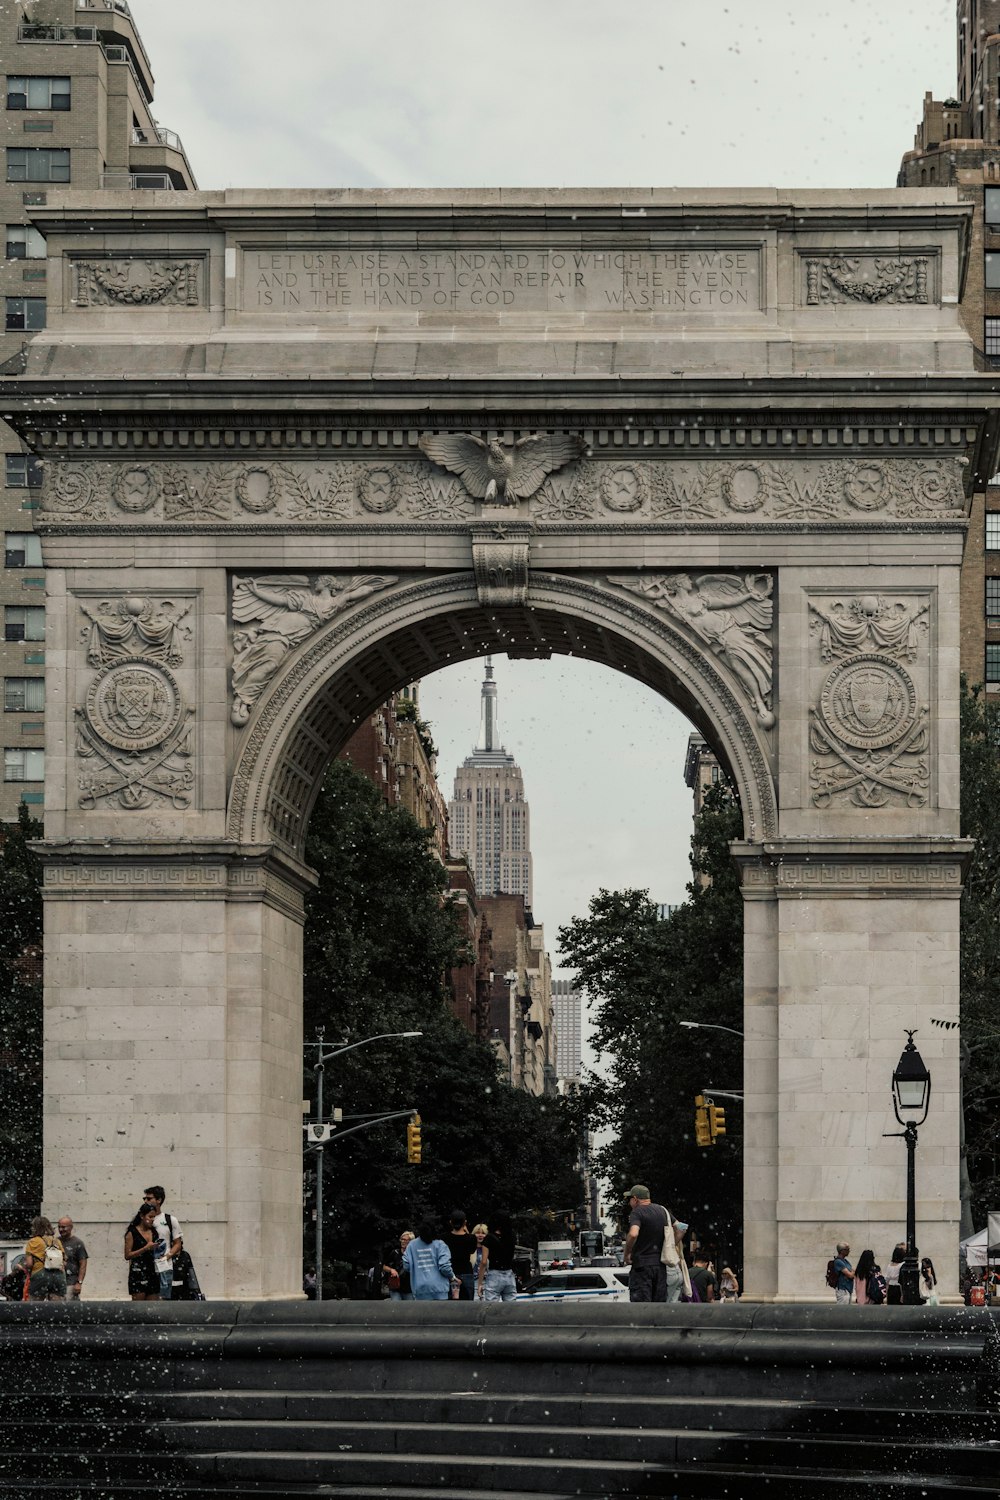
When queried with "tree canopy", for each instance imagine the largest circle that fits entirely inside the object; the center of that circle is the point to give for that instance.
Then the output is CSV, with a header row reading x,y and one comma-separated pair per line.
x,y
381,934
643,976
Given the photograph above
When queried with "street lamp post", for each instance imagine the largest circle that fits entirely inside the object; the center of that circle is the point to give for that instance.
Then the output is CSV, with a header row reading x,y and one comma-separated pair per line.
x,y
319,1068
710,1026
911,1095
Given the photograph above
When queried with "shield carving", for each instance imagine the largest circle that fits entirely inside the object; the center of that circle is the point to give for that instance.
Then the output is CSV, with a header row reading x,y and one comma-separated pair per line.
x,y
134,701
869,696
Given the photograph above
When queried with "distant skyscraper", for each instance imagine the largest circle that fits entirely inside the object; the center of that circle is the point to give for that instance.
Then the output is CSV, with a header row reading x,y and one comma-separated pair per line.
x,y
488,816
567,1014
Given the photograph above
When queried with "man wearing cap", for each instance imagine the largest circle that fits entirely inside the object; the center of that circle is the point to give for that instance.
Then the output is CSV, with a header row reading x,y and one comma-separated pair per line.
x,y
647,1280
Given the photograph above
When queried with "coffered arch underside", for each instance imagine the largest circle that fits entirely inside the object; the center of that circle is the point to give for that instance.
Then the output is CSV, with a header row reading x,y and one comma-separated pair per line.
x,y
358,661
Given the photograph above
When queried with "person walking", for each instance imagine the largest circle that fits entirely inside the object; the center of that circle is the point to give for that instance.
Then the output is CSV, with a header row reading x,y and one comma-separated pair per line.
x,y
647,1221
845,1274
427,1260
461,1248
498,1280
75,1252
140,1243
45,1263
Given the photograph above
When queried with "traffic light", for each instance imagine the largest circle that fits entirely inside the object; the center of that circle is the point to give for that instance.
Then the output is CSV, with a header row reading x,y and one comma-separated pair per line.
x,y
716,1120
413,1143
702,1134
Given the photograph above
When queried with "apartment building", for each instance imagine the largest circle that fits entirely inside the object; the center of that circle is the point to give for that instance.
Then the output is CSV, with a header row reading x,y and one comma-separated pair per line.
x,y
958,143
78,95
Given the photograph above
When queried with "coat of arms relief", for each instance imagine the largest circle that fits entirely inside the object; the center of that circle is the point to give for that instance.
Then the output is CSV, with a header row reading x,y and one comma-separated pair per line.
x,y
133,731
869,729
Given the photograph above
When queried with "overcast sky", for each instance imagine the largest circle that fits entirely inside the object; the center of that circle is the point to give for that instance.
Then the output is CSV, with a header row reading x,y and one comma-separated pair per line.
x,y
325,93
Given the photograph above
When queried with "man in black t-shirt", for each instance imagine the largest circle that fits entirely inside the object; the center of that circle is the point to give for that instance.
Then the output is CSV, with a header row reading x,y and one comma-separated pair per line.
x,y
461,1247
703,1277
647,1280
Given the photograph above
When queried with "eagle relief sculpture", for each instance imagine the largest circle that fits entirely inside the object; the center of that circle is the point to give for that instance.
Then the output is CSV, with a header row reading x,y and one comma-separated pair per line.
x,y
500,475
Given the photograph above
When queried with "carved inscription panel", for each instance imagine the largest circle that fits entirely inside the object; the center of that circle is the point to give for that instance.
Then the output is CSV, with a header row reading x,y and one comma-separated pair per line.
x,y
675,281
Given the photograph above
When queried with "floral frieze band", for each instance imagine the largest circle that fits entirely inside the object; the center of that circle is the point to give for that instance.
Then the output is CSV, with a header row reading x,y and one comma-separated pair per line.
x,y
616,491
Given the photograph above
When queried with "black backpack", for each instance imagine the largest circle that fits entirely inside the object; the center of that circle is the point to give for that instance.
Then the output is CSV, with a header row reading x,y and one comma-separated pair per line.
x,y
876,1287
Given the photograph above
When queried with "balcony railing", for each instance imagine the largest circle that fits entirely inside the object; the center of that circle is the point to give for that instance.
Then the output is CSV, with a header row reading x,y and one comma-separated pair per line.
x,y
158,137
41,31
128,182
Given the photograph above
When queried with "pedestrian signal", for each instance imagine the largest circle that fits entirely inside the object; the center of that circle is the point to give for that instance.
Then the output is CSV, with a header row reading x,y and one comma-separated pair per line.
x,y
413,1142
716,1120
702,1134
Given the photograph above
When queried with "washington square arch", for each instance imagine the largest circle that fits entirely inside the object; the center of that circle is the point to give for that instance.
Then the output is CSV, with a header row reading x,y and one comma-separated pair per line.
x,y
302,449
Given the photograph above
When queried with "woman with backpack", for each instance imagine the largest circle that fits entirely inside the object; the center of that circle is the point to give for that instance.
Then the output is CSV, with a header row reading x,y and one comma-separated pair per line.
x,y
46,1263
140,1240
869,1283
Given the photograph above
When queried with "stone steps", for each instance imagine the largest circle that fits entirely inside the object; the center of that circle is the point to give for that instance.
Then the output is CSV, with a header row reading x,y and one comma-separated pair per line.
x,y
360,1399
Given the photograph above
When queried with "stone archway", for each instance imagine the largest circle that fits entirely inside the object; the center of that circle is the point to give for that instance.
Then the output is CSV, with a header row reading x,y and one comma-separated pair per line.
x,y
269,505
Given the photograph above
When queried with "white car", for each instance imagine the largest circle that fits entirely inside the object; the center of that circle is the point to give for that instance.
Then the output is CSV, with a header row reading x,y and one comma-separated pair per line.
x,y
589,1284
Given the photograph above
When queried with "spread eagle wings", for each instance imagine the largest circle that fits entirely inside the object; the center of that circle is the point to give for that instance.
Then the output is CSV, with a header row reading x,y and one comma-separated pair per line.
x,y
723,591
530,460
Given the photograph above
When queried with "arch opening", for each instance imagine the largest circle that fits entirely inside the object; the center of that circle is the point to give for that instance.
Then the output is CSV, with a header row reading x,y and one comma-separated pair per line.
x,y
356,663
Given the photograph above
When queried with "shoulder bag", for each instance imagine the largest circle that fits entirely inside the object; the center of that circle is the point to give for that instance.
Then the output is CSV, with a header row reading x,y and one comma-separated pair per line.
x,y
669,1254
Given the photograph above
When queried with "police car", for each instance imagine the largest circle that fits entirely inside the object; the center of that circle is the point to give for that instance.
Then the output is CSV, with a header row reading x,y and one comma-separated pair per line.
x,y
588,1284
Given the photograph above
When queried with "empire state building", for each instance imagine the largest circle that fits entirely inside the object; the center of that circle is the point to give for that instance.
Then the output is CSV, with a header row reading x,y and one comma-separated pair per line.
x,y
488,816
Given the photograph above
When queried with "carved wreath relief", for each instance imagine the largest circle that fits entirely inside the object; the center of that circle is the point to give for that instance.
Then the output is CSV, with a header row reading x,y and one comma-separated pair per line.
x,y
132,282
732,614
272,615
869,729
133,732
867,278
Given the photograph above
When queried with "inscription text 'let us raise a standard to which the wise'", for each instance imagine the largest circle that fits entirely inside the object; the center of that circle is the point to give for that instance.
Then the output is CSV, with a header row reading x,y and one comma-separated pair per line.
x,y
690,281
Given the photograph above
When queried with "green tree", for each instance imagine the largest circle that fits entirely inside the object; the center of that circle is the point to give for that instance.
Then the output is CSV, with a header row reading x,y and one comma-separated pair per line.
x,y
980,958
20,1022
380,936
643,976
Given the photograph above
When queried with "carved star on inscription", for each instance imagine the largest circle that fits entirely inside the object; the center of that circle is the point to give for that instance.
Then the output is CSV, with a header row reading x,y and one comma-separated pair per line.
x,y
492,472
499,533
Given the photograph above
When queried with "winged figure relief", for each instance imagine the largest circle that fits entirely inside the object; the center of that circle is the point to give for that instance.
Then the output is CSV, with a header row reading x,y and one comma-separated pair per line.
x,y
273,615
731,614
498,474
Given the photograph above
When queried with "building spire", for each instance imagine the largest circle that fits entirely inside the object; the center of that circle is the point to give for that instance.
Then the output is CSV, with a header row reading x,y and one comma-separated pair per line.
x,y
489,732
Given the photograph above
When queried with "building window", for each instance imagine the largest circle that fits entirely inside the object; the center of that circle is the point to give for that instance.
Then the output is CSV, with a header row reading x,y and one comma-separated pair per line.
x,y
38,93
23,765
25,314
992,205
993,598
24,243
24,622
23,549
37,164
24,695
993,531
991,336
23,471
992,269
993,663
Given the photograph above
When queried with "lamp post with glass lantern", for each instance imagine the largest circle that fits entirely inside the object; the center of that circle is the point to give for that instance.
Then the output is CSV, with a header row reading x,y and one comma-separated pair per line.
x,y
911,1095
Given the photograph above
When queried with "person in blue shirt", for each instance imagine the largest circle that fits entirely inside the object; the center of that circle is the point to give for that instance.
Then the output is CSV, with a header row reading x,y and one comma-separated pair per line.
x,y
845,1274
429,1264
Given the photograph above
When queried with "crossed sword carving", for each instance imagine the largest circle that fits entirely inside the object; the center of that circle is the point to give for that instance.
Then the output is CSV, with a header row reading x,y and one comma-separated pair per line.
x,y
869,773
